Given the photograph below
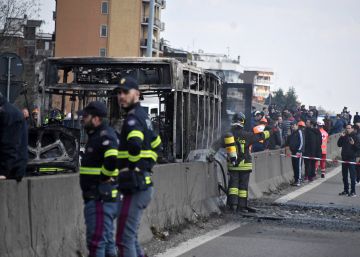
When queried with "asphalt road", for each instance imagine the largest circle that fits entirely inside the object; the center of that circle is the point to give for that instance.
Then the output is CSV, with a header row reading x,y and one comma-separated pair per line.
x,y
326,194
259,240
301,235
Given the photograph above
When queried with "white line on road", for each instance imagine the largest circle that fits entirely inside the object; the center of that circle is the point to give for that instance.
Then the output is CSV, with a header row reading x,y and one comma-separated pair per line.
x,y
193,243
286,198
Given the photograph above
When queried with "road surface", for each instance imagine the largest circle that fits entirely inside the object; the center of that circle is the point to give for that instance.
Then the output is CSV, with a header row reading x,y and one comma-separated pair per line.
x,y
311,221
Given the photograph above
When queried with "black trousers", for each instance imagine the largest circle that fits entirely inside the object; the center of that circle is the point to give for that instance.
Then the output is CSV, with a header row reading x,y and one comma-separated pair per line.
x,y
297,167
346,169
238,188
310,168
357,168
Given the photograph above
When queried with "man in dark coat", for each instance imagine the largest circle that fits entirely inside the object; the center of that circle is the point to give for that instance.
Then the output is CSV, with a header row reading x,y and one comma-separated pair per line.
x,y
349,147
356,118
13,141
338,126
313,140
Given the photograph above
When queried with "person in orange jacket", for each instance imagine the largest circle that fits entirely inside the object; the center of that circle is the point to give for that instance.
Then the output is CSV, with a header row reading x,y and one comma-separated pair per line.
x,y
259,146
325,139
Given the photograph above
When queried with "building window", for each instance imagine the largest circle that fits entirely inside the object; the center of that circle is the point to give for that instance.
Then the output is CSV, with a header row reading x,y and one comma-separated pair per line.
x,y
47,45
105,7
102,52
103,31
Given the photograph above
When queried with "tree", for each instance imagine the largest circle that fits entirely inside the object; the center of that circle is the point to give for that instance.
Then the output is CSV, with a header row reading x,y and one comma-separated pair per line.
x,y
279,98
288,100
292,99
13,13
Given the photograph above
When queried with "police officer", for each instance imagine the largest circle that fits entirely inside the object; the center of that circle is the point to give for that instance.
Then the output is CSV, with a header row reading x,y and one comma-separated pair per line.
x,y
98,181
138,150
237,143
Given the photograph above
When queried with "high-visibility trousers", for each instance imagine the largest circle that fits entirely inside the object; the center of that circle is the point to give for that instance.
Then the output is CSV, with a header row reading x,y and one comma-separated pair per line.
x,y
238,188
322,164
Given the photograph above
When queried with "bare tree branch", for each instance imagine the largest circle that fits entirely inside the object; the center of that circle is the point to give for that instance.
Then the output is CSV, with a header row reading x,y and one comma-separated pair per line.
x,y
13,14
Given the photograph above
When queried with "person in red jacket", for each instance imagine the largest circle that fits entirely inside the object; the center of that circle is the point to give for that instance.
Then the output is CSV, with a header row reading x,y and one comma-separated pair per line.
x,y
325,139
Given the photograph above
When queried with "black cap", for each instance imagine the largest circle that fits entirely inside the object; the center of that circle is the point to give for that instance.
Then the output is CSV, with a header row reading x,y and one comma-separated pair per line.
x,y
95,108
128,83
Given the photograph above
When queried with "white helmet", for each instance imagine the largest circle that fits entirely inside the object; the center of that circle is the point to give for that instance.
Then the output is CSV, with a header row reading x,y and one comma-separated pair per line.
x,y
321,123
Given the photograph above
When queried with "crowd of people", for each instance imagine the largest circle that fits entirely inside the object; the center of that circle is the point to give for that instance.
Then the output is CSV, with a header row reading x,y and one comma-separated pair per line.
x,y
305,133
280,122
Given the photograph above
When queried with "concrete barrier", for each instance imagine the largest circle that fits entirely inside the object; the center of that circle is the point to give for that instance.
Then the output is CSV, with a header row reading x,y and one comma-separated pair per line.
x,y
43,216
181,192
333,150
15,224
270,170
56,214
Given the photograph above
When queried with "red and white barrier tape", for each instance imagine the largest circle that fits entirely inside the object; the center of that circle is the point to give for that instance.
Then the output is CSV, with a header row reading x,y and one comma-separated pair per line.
x,y
319,159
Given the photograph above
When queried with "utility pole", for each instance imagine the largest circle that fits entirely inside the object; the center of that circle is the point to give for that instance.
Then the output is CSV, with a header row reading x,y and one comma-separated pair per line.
x,y
150,29
8,79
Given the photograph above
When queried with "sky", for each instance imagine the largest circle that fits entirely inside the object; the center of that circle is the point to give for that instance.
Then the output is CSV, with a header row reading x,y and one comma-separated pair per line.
x,y
312,45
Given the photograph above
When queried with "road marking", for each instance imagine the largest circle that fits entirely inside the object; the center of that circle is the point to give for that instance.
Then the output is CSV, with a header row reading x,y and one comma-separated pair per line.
x,y
193,243
286,198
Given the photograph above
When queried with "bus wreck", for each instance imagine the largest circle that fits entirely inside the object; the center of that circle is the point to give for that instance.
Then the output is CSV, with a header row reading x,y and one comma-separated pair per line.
x,y
184,102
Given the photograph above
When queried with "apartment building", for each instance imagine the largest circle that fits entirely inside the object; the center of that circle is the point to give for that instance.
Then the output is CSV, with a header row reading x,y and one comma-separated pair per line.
x,y
262,79
110,28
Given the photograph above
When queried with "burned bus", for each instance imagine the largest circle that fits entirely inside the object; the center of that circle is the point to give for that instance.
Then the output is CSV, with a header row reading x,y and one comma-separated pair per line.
x,y
184,102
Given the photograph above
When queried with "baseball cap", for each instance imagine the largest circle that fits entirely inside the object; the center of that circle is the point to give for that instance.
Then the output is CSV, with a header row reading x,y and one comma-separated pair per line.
x,y
264,120
95,108
128,83
301,123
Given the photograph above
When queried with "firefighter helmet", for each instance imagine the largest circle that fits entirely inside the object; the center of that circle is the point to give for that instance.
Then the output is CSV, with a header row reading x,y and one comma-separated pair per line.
x,y
54,117
238,120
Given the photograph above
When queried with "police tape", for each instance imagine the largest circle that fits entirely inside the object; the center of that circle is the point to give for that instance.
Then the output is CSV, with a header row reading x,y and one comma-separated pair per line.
x,y
319,159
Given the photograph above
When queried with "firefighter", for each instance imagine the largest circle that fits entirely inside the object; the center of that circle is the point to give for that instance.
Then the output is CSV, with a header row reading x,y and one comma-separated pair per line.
x,y
98,181
138,152
237,144
54,118
325,138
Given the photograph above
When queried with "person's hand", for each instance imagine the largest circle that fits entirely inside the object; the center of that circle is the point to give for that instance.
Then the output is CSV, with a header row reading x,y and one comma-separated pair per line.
x,y
108,181
210,157
2,177
351,141
298,154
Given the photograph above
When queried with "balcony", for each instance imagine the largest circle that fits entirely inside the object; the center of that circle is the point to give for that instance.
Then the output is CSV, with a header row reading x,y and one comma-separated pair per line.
x,y
157,23
264,82
43,52
143,44
160,3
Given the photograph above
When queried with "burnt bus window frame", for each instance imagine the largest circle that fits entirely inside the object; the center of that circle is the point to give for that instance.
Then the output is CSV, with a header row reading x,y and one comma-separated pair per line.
x,y
247,105
190,99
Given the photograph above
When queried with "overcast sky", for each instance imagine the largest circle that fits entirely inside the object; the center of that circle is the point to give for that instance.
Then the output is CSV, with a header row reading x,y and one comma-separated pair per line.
x,y
312,45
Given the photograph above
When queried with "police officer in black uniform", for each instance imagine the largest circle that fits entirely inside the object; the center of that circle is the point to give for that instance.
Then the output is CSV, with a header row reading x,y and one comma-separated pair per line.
x,y
98,181
138,150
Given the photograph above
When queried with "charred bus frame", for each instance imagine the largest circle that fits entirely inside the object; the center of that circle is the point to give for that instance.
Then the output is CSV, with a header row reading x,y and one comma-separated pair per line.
x,y
189,98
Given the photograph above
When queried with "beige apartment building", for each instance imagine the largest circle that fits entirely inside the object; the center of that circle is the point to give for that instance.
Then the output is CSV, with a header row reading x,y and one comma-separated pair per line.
x,y
113,28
